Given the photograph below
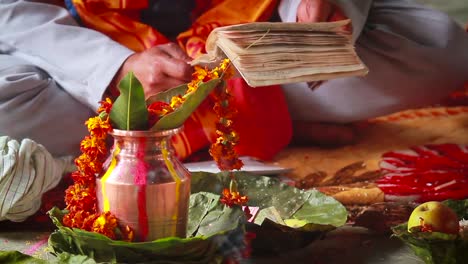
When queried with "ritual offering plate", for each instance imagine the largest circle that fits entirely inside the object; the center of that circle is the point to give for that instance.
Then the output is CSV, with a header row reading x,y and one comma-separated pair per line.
x,y
215,231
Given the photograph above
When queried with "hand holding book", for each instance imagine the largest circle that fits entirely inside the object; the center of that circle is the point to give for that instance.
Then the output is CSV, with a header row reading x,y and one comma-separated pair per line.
x,y
267,53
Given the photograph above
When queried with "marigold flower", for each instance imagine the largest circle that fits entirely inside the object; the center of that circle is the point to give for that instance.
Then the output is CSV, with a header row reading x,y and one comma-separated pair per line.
x,y
83,179
105,224
88,165
105,106
98,127
225,156
200,74
231,198
176,101
93,146
156,110
81,197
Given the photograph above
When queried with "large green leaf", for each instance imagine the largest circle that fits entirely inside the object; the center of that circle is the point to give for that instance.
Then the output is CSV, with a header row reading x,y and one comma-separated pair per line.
x,y
129,110
278,202
436,247
317,210
17,257
167,95
204,247
192,101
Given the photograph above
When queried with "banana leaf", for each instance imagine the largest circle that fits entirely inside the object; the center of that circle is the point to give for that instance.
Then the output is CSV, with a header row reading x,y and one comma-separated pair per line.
x,y
436,247
129,110
192,101
214,232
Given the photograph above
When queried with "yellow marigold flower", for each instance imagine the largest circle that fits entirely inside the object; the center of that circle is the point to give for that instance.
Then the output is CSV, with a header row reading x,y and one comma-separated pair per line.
x,y
105,224
98,127
200,73
105,106
93,146
176,101
231,198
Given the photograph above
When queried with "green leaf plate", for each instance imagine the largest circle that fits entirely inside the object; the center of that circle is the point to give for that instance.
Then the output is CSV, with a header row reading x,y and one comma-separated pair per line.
x,y
310,212
209,240
214,230
435,247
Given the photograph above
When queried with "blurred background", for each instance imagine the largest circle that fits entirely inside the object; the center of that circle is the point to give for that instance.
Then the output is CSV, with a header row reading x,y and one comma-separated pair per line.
x,y
458,9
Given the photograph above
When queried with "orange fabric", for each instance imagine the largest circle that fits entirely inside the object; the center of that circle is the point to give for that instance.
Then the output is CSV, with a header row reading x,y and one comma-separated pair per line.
x,y
119,19
263,123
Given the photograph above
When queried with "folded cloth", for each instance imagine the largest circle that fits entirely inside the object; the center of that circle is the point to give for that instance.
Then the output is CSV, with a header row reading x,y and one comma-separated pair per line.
x,y
27,170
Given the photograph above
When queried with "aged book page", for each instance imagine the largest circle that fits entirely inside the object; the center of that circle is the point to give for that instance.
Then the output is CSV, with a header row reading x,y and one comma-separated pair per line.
x,y
266,53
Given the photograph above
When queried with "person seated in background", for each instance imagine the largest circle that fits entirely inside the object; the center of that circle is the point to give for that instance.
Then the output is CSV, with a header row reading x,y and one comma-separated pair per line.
x,y
56,67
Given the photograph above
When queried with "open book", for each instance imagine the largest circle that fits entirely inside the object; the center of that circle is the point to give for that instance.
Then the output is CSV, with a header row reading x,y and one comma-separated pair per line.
x,y
267,53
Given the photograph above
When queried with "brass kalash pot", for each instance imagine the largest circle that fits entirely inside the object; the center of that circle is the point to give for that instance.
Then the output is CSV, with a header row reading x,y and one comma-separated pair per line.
x,y
144,185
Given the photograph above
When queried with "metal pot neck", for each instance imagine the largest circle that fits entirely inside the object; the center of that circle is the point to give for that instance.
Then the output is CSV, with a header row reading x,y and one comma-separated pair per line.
x,y
145,133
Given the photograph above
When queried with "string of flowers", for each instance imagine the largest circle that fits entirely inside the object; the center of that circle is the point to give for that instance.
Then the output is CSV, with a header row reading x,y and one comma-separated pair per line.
x,y
80,198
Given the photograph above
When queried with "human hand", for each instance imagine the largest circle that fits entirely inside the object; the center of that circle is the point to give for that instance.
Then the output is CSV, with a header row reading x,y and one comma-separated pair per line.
x,y
318,11
158,68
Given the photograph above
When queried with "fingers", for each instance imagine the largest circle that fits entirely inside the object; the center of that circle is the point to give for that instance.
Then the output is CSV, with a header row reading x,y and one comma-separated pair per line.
x,y
314,11
172,61
175,68
158,68
175,51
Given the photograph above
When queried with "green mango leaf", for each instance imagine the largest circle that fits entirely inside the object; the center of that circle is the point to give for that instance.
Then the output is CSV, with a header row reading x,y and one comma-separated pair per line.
x,y
319,211
205,243
192,101
129,110
167,95
436,247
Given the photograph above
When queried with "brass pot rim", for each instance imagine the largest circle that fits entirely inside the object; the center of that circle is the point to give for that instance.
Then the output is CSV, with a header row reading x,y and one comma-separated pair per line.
x,y
145,133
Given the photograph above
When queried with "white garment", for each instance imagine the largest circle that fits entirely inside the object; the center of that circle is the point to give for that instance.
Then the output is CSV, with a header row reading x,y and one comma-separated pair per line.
x,y
53,73
415,56
27,170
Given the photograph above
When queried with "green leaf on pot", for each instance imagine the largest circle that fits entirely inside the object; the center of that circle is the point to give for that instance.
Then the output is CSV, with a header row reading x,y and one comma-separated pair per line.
x,y
192,101
205,246
167,95
319,211
129,110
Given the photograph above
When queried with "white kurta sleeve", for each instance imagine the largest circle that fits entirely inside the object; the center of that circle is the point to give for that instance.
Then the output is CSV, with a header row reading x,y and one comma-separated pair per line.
x,y
82,61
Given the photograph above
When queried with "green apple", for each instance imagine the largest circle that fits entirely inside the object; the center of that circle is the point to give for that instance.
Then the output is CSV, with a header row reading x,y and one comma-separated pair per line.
x,y
433,216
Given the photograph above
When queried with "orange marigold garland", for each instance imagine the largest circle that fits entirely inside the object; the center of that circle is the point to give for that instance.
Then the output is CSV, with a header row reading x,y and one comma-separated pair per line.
x,y
222,150
80,197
